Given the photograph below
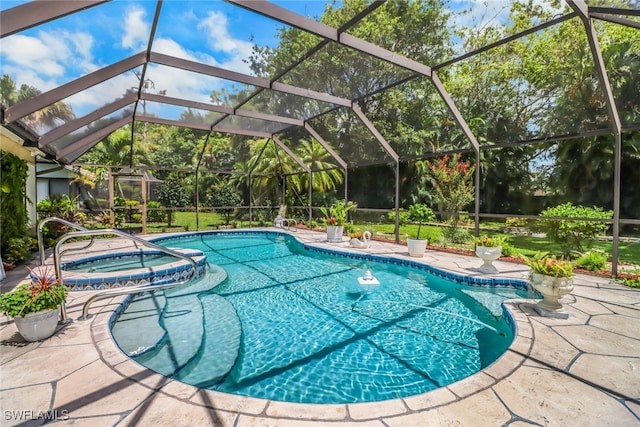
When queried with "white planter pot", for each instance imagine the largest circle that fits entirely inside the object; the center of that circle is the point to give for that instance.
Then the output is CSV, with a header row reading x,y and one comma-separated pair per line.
x,y
334,233
488,254
416,247
551,288
37,326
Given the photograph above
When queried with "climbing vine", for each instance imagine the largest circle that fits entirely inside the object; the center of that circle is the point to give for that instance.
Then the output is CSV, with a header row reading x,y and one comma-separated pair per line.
x,y
13,204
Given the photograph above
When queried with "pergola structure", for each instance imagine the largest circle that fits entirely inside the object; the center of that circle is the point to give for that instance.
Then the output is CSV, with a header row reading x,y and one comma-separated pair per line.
x,y
273,106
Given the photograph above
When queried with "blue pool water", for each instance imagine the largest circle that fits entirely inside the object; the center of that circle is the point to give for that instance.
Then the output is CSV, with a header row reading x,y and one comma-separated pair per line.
x,y
277,320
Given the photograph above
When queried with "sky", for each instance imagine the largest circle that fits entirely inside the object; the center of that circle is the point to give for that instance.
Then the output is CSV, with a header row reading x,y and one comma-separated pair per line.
x,y
211,32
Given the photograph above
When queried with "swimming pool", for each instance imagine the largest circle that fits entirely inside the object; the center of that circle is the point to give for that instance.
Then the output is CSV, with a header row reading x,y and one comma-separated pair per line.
x,y
275,319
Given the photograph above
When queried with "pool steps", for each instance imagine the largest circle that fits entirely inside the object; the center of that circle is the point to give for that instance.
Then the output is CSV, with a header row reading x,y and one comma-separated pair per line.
x,y
135,319
159,350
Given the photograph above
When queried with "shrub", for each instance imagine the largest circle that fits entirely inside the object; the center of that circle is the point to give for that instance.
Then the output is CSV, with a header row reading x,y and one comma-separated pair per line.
x,y
173,193
454,234
515,222
453,189
18,248
594,260
508,250
420,213
119,214
403,216
262,216
154,215
224,197
572,233
61,206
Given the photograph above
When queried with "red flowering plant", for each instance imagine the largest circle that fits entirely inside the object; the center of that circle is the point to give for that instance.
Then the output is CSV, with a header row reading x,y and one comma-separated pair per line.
x,y
336,214
453,183
45,292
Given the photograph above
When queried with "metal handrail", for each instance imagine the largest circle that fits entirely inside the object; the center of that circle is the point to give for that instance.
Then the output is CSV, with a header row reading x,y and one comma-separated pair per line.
x,y
62,221
120,291
128,290
286,222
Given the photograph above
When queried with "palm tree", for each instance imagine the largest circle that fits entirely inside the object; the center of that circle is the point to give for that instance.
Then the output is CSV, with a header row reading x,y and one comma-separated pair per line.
x,y
272,167
115,150
41,120
318,159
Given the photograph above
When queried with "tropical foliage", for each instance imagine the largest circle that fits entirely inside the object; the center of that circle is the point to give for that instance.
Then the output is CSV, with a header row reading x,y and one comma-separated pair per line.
x,y
488,241
336,214
550,266
13,207
44,292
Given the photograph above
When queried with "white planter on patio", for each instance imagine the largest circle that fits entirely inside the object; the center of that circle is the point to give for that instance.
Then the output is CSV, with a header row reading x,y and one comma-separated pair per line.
x,y
37,326
488,254
417,247
334,233
552,289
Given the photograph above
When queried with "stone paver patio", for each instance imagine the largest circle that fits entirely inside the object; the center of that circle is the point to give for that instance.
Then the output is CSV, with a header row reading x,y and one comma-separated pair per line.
x,y
582,371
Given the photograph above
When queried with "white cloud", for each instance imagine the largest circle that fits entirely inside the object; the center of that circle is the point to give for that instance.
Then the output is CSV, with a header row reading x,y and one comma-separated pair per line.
x,y
48,59
135,30
172,48
45,60
101,94
183,84
216,28
33,54
83,45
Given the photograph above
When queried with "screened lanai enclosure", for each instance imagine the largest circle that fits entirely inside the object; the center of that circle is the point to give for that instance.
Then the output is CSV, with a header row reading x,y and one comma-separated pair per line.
x,y
239,107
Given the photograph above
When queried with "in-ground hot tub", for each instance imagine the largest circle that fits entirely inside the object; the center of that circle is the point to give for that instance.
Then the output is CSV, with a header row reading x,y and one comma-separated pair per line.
x,y
130,268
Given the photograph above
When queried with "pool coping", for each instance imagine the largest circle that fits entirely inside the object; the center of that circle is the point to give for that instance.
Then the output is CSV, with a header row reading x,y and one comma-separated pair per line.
x,y
548,361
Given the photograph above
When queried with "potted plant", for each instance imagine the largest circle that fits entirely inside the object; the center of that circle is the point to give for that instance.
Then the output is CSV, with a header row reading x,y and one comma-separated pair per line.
x,y
420,213
553,278
336,216
34,305
488,249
